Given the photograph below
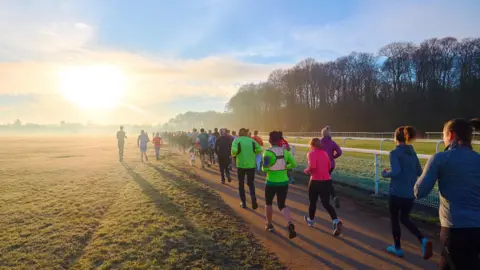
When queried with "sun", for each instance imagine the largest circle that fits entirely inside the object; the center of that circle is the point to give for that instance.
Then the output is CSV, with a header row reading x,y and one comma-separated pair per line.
x,y
92,87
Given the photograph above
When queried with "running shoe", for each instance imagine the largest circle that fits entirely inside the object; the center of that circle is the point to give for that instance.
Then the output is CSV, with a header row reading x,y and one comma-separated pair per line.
x,y
308,221
269,228
254,204
229,179
223,182
291,231
336,202
243,205
292,181
337,227
427,251
395,251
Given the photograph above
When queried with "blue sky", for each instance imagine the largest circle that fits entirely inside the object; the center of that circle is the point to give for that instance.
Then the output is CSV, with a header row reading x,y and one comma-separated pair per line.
x,y
191,54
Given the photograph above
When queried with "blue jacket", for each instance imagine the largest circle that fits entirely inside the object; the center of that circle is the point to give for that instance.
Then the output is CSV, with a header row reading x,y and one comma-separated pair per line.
x,y
405,170
458,173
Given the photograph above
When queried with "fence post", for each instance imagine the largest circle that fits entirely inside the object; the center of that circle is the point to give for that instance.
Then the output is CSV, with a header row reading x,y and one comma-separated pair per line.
x,y
438,145
377,176
381,147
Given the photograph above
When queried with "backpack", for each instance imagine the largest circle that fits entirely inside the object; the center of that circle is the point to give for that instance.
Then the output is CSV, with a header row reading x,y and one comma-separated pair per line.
x,y
280,163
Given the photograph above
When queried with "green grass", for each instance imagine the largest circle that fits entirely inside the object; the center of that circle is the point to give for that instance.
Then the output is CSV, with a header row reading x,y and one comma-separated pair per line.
x,y
68,203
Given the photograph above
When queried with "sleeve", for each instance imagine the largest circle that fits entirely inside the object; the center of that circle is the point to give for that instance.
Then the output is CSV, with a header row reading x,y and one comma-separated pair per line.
x,y
419,167
338,151
291,164
234,148
429,177
395,165
258,148
312,164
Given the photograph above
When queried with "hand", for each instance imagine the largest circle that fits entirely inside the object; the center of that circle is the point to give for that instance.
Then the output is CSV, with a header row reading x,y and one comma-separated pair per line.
x,y
384,173
306,171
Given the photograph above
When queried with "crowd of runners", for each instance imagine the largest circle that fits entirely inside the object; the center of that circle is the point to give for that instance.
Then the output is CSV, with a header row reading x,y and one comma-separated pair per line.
x,y
457,171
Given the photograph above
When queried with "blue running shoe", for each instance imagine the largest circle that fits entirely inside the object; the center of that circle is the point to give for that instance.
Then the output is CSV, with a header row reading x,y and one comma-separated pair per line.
x,y
427,249
337,227
308,221
395,251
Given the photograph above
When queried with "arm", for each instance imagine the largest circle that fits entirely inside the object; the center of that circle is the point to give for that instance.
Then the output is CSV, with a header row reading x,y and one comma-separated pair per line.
x,y
395,165
138,141
291,164
419,167
337,151
311,164
427,180
258,148
234,148
215,147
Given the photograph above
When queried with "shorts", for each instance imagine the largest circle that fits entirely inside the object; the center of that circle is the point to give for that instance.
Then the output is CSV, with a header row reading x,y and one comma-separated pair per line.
x,y
280,191
143,148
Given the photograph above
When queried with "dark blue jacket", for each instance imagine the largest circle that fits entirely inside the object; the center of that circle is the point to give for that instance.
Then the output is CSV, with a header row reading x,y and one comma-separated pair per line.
x,y
405,170
458,173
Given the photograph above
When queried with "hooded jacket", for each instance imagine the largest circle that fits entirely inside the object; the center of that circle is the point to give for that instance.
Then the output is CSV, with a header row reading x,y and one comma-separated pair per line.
x,y
405,168
332,149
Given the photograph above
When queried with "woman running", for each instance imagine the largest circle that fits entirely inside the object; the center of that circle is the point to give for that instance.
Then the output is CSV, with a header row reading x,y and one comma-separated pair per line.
x,y
457,170
320,185
157,142
405,168
276,162
334,152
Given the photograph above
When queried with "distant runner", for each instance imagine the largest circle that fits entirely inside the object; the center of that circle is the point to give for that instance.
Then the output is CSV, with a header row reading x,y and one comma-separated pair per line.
x,y
223,147
121,142
204,147
258,160
211,146
142,142
276,161
157,142
244,150
334,152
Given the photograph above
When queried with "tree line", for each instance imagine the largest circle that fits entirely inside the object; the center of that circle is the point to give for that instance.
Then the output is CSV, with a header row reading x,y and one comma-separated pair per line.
x,y
403,84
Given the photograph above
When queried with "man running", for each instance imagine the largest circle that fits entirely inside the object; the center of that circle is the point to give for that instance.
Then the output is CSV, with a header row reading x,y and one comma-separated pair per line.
x,y
244,149
142,142
276,162
121,142
211,146
259,140
216,133
223,147
157,142
204,147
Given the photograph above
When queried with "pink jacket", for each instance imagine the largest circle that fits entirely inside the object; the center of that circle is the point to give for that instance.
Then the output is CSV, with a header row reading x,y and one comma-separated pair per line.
x,y
318,165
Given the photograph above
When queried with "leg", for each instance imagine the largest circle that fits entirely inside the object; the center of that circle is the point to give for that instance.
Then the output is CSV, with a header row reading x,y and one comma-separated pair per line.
x,y
269,195
325,192
281,201
258,162
221,165
460,248
241,185
405,209
251,187
157,152
394,207
313,198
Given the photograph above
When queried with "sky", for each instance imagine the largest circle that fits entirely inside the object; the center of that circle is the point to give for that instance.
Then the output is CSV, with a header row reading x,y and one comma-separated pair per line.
x,y
143,62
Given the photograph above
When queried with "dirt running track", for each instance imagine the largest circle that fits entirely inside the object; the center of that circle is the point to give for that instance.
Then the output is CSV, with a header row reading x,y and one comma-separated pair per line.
x,y
362,245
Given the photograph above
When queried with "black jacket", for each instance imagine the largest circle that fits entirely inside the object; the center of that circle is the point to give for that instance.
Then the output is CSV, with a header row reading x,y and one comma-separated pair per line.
x,y
223,147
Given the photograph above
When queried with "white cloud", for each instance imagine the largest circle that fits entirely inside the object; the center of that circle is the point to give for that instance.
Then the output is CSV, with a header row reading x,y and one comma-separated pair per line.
x,y
378,23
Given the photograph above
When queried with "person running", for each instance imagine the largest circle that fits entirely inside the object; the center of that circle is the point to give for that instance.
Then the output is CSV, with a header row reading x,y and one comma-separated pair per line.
x,y
142,142
258,160
457,170
211,146
320,185
216,133
232,160
405,168
223,148
157,142
121,142
244,149
334,152
276,162
204,147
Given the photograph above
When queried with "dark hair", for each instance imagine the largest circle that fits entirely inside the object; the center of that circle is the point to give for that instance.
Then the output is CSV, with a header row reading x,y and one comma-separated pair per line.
x,y
405,134
202,130
462,129
255,132
275,137
243,132
315,142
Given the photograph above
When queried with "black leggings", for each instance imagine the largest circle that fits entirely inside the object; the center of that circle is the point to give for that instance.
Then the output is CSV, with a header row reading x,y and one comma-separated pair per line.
x,y
322,189
400,209
280,191
333,189
250,173
460,248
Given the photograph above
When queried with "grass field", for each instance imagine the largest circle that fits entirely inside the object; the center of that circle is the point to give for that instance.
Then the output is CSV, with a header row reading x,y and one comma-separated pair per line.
x,y
69,203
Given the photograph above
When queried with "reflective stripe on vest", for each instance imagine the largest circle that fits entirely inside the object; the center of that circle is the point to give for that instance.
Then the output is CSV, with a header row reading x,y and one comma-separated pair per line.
x,y
280,164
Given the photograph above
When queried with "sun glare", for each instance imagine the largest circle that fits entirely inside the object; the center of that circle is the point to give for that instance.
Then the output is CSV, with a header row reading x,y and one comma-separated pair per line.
x,y
92,87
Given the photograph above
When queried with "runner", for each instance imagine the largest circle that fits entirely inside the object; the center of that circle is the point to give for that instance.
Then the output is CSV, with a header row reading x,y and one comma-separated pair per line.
x,y
259,140
121,142
204,147
232,160
405,168
157,142
334,152
211,147
457,170
216,133
142,141
245,149
320,185
276,161
223,148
